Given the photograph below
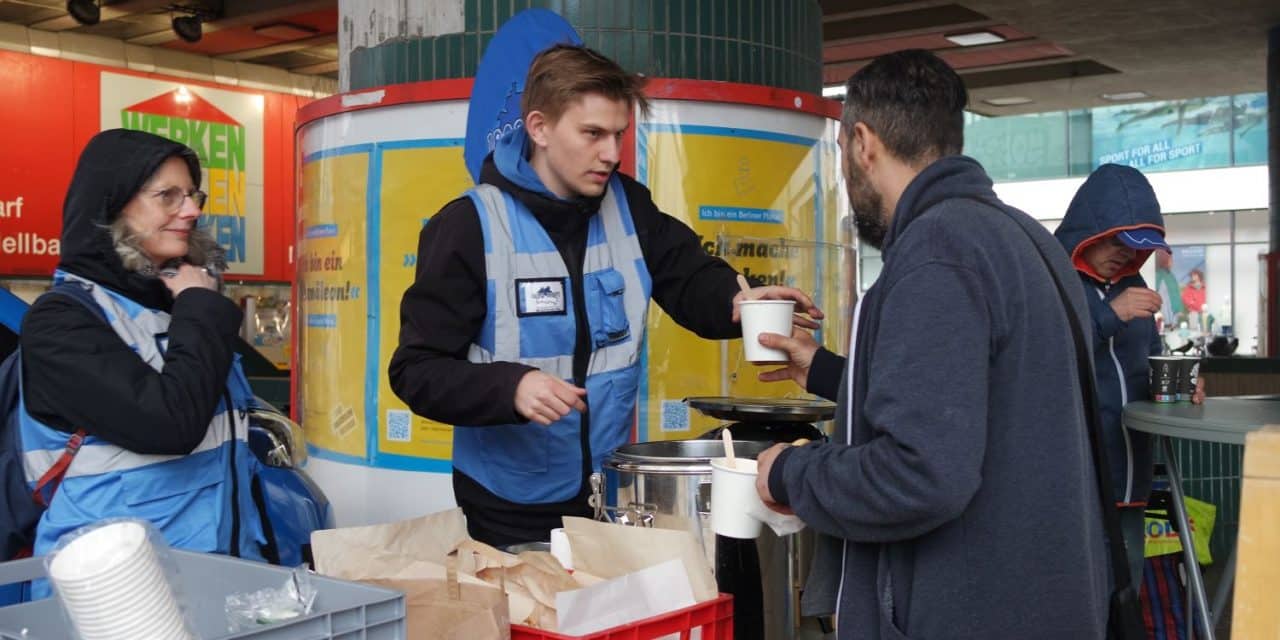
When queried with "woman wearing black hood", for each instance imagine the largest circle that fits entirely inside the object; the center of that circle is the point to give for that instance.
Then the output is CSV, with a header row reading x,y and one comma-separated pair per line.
x,y
156,388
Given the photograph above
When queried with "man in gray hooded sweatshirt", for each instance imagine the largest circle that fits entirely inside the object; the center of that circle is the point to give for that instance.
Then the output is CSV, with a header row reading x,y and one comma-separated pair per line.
x,y
957,497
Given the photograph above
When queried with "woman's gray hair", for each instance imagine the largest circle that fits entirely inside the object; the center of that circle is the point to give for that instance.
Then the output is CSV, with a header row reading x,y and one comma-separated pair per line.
x,y
202,249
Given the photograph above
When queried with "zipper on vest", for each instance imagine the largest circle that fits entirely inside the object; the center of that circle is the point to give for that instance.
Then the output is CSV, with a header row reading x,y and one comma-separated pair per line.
x,y
234,549
582,349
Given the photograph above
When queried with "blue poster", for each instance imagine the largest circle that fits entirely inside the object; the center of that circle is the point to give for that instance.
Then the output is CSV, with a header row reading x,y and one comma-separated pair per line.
x,y
1165,136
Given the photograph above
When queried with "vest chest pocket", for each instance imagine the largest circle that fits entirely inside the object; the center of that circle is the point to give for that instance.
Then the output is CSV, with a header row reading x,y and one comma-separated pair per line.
x,y
522,448
607,309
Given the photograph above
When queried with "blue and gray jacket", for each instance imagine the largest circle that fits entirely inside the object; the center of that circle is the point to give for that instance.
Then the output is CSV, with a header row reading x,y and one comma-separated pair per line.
x,y
1116,198
187,497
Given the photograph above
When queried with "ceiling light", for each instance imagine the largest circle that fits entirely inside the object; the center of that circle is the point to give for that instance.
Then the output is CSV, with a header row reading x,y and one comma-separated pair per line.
x,y
1126,95
86,12
836,91
1008,101
189,28
975,38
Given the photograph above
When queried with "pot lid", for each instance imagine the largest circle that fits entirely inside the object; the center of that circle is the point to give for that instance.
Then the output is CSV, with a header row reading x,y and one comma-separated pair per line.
x,y
764,409
658,453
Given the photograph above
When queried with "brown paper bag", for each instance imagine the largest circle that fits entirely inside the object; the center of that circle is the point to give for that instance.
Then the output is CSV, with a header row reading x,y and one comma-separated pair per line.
x,y
449,610
481,614
417,550
530,579
609,551
381,550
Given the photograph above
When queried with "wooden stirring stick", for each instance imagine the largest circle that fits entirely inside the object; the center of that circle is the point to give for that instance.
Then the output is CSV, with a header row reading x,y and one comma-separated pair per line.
x,y
728,448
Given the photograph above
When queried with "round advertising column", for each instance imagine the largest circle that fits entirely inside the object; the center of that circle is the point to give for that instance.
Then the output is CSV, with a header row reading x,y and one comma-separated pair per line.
x,y
753,170
775,43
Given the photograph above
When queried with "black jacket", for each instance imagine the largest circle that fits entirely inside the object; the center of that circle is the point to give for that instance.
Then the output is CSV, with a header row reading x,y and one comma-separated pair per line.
x,y
77,373
443,310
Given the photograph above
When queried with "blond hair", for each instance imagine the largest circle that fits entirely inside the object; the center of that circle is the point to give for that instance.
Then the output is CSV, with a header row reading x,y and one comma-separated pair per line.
x,y
564,73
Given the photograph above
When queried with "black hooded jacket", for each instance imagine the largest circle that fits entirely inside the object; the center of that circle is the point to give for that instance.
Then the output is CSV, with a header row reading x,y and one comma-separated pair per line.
x,y
77,373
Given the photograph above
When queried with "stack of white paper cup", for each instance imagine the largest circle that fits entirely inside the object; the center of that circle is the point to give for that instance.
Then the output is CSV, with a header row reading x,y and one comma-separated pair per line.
x,y
113,586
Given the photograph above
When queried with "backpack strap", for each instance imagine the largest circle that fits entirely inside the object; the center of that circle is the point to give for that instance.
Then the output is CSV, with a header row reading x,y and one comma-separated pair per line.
x,y
53,477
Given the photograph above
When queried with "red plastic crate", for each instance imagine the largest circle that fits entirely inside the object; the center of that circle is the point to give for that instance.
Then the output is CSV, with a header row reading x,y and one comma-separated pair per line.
x,y
714,617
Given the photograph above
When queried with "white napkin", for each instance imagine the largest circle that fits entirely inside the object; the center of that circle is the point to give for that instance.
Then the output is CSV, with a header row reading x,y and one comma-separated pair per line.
x,y
661,588
781,523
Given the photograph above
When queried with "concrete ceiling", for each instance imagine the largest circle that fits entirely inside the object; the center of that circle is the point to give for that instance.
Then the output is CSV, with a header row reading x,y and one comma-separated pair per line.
x,y
301,37
1058,54
1065,54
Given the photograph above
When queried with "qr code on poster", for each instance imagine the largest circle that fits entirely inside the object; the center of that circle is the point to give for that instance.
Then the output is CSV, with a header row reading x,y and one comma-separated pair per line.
x,y
398,425
675,416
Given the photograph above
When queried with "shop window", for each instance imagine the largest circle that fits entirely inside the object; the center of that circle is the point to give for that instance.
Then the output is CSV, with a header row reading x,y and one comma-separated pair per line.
x,y
1197,228
1018,147
1250,128
1246,309
266,323
1253,226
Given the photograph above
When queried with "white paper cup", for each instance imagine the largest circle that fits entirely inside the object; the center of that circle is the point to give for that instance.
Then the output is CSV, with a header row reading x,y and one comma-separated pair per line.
x,y
765,316
560,548
113,586
734,499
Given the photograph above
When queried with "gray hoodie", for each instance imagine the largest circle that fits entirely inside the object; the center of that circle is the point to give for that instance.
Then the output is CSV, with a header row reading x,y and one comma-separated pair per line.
x,y
960,500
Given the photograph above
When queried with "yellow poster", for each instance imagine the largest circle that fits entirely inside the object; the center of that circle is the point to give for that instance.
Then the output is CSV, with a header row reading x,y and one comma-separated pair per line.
x,y
331,297
417,179
764,202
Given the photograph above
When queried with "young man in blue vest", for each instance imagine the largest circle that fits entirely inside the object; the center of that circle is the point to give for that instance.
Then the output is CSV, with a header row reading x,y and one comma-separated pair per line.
x,y
526,318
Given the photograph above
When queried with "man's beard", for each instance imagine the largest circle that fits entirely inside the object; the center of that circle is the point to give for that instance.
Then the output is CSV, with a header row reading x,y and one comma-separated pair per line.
x,y
868,207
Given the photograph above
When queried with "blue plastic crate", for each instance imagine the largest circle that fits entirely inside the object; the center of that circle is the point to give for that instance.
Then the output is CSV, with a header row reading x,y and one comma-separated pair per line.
x,y
343,610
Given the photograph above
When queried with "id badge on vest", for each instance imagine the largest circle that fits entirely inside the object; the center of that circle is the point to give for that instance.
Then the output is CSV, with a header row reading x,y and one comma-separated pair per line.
x,y
540,297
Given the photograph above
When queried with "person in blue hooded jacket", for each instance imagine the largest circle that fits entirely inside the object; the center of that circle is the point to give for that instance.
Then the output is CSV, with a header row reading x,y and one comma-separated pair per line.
x,y
1112,227
527,314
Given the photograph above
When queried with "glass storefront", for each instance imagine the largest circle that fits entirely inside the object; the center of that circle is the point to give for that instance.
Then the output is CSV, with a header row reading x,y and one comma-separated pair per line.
x,y
1171,135
1222,247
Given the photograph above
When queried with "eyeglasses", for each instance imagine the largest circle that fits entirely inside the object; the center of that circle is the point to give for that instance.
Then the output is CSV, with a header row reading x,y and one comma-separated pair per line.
x,y
173,197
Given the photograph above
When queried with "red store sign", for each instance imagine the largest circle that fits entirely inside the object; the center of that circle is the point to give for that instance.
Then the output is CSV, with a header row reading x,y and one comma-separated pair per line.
x,y
49,108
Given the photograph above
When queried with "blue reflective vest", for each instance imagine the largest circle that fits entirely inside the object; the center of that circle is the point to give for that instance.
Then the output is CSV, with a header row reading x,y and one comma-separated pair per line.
x,y
187,497
531,319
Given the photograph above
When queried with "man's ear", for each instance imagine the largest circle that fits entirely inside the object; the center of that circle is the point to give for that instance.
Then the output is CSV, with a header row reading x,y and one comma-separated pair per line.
x,y
865,146
536,124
